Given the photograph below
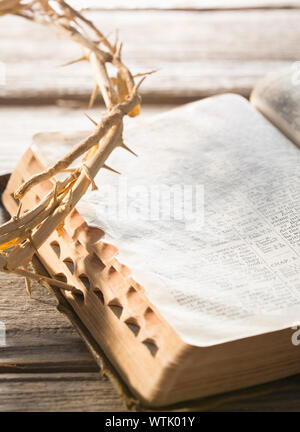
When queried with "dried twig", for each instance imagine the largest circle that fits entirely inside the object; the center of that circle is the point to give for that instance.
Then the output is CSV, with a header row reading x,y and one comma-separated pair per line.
x,y
27,232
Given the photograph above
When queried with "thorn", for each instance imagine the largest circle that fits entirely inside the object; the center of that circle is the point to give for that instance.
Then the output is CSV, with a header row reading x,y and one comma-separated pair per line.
x,y
73,61
55,194
104,38
93,121
111,169
144,74
137,86
28,286
30,239
124,146
69,198
116,40
119,50
27,283
19,210
90,178
93,96
17,216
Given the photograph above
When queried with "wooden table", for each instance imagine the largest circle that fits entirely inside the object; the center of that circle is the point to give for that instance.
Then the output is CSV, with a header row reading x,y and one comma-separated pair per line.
x,y
200,48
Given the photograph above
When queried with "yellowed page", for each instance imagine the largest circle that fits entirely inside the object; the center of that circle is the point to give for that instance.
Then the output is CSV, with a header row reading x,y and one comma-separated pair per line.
x,y
277,96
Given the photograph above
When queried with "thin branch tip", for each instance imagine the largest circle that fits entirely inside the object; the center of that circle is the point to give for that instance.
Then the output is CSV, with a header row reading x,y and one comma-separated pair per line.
x,y
91,120
124,146
78,60
138,85
111,169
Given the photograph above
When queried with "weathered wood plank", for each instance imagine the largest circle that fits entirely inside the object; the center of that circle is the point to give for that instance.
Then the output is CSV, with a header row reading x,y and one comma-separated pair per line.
x,y
57,392
286,398
91,392
197,53
37,335
187,4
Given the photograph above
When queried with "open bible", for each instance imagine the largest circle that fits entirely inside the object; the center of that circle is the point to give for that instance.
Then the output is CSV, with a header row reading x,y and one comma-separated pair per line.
x,y
188,265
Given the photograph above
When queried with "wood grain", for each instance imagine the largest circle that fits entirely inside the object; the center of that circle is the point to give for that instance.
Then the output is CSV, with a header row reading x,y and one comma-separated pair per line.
x,y
91,392
285,398
37,335
196,53
191,4
57,392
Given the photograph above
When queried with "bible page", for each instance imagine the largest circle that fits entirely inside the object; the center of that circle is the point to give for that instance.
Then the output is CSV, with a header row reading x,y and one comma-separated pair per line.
x,y
277,96
207,217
